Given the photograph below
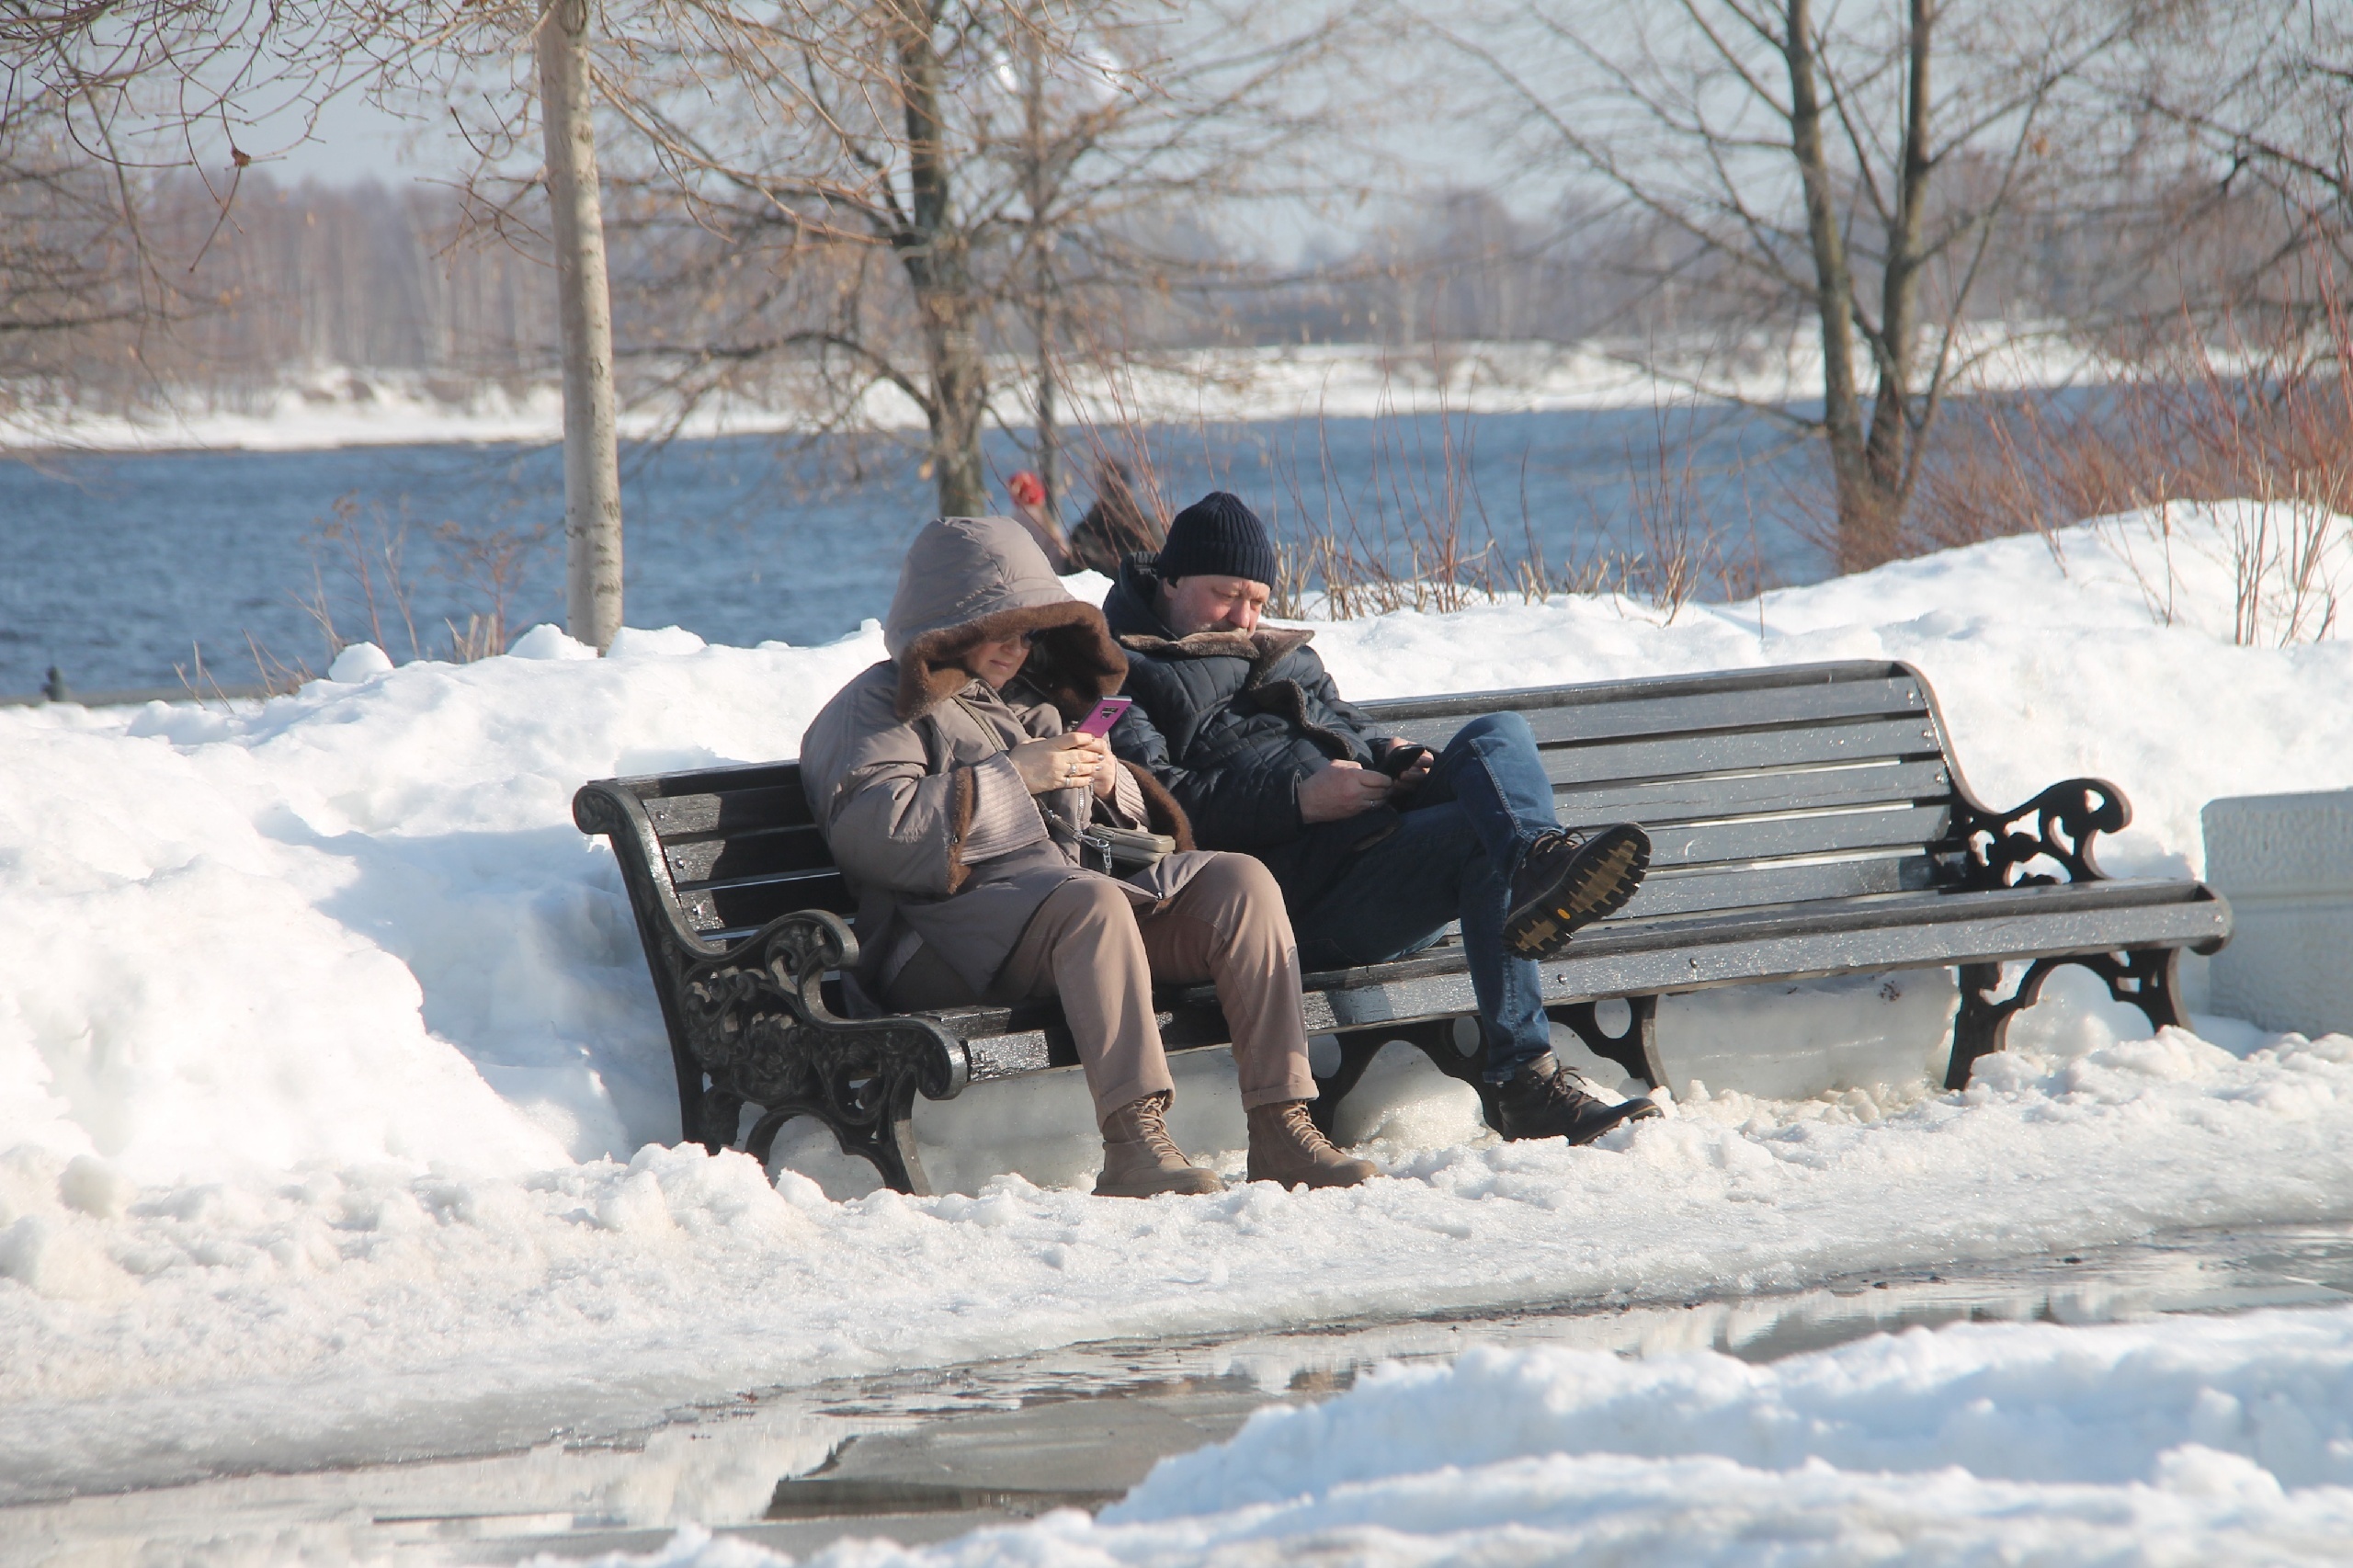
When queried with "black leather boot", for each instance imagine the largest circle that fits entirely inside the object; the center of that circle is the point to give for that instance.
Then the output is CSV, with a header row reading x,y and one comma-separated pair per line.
x,y
1541,1101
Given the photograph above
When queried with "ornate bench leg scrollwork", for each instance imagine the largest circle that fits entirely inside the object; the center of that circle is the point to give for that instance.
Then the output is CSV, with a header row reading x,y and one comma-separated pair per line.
x,y
2146,978
1994,850
758,1023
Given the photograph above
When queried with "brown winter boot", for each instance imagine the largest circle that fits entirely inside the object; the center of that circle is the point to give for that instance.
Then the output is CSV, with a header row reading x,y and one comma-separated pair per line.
x,y
1139,1158
1286,1146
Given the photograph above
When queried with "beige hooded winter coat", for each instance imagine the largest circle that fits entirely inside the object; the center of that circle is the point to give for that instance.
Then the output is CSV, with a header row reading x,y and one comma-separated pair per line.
x,y
906,769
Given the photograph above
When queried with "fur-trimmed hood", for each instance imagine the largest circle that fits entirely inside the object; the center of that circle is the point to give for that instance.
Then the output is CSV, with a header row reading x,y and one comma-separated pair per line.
x,y
967,580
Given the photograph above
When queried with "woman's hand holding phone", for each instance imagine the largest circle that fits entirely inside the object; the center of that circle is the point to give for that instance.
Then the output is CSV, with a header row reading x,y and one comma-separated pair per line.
x,y
1069,761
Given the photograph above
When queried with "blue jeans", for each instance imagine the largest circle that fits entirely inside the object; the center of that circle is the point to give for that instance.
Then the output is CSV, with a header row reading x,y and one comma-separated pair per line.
x,y
1464,833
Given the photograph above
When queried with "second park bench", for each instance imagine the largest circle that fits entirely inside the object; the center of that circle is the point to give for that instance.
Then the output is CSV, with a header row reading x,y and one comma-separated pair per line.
x,y
1806,821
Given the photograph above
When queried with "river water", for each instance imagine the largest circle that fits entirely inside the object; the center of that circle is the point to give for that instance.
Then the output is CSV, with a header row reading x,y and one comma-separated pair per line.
x,y
123,570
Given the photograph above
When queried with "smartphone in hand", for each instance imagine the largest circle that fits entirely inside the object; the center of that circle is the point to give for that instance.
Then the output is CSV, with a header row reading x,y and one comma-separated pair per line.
x,y
1106,713
1402,760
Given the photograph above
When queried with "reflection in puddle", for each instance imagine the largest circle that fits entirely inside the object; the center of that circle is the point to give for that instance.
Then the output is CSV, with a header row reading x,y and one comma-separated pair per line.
x,y
928,1454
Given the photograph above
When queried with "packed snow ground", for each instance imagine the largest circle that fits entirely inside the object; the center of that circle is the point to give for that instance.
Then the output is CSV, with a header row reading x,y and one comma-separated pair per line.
x,y
2190,1441
333,1096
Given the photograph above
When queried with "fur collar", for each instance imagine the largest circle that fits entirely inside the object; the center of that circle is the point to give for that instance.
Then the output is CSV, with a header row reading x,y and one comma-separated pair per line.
x,y
1262,648
1075,662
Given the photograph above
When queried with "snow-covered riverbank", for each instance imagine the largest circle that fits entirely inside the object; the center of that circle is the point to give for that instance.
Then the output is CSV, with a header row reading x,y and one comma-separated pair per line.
x,y
347,406
333,1096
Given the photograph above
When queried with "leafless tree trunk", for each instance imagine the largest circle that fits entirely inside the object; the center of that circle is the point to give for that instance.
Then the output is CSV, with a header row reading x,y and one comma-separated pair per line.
x,y
814,139
935,247
592,481
1698,112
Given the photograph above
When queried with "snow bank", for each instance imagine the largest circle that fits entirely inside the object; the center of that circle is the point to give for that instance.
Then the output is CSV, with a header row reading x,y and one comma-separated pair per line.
x,y
2102,1406
2187,1440
332,1089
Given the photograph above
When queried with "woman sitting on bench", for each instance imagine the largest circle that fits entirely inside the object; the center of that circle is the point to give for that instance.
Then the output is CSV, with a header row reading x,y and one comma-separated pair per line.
x,y
958,806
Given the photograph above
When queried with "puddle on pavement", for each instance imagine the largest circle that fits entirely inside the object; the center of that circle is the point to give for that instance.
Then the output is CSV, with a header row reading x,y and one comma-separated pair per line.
x,y
923,1455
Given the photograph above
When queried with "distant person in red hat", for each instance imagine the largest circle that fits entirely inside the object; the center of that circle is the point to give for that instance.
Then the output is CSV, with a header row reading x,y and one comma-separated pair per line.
x,y
1028,495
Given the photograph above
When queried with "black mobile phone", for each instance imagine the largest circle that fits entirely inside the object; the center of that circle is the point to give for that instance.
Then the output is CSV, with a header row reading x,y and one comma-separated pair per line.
x,y
1402,759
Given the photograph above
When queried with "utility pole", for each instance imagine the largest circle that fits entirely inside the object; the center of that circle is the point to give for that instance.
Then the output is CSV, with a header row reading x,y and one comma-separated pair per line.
x,y
592,476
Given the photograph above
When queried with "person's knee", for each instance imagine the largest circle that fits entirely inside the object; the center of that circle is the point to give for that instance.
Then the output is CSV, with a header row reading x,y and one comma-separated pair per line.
x,y
1092,903
1506,728
1241,891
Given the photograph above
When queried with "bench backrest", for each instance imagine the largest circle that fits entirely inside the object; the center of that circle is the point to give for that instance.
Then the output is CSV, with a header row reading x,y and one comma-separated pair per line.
x,y
1758,787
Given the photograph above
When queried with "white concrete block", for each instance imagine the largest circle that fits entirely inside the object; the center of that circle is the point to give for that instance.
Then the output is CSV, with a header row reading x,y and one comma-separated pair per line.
x,y
2286,864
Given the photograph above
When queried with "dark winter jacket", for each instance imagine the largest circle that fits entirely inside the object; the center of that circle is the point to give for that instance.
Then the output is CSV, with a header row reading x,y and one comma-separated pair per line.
x,y
1230,722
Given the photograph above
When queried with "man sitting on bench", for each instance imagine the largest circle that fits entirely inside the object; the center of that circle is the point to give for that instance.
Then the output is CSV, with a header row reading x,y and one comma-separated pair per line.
x,y
1376,844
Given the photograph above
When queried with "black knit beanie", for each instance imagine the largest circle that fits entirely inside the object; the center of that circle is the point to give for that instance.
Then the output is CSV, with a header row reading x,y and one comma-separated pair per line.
x,y
1218,536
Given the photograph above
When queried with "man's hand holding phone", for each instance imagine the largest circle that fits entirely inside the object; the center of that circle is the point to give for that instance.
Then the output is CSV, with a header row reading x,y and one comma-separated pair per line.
x,y
1406,763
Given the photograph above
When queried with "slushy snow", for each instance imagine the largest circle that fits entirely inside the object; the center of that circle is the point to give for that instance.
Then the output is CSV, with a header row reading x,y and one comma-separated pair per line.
x,y
2189,1442
334,1103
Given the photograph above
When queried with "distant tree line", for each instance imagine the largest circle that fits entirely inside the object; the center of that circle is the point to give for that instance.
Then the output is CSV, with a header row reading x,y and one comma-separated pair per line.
x,y
310,276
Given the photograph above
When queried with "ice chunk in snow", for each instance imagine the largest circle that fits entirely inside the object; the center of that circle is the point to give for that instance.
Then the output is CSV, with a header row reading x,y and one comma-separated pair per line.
x,y
96,1188
547,641
666,643
357,661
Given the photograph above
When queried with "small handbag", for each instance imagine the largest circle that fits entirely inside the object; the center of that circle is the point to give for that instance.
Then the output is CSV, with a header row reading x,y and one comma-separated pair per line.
x,y
1130,849
1124,850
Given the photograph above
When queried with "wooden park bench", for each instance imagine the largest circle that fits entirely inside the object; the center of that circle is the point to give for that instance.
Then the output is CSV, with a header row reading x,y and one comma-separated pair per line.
x,y
1807,820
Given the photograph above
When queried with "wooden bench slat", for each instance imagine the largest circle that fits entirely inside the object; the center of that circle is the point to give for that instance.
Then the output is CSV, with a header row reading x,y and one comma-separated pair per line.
x,y
1684,891
717,780
732,811
1683,716
1627,762
1877,944
1928,907
1905,931
765,852
756,904
1766,678
1748,794
1770,837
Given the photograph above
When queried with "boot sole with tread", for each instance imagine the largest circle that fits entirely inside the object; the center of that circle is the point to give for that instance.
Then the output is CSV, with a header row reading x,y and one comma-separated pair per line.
x,y
1601,878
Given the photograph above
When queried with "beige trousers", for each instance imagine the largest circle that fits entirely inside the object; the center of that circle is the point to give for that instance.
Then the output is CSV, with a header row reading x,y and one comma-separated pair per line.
x,y
1089,944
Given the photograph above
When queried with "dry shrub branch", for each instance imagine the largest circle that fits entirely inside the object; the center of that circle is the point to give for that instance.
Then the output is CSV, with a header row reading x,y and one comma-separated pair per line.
x,y
2265,415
